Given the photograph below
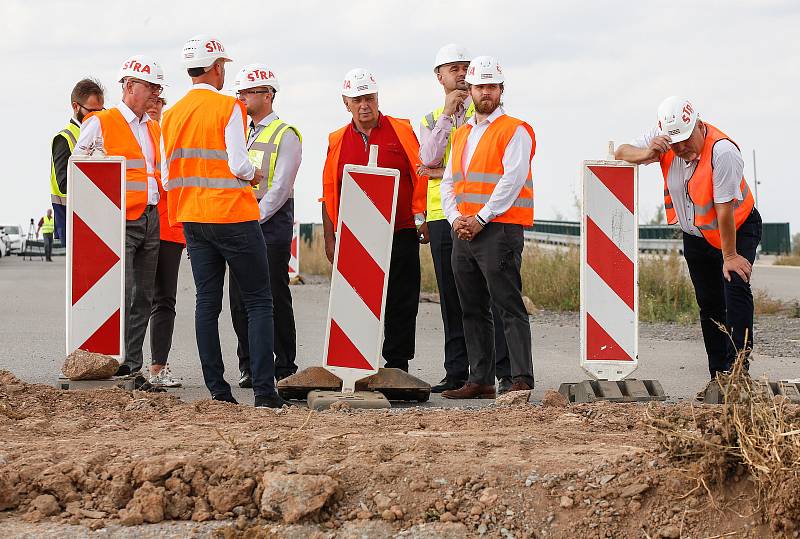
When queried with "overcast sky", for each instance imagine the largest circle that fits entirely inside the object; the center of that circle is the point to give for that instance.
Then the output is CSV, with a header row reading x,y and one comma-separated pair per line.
x,y
581,73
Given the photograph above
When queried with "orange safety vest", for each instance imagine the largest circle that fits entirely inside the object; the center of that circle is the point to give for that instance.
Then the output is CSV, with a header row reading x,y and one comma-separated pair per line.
x,y
202,188
118,139
701,191
168,231
485,169
332,183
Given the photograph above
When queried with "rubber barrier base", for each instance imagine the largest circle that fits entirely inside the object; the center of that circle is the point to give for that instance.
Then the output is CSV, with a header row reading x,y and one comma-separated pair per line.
x,y
789,389
629,390
394,384
322,400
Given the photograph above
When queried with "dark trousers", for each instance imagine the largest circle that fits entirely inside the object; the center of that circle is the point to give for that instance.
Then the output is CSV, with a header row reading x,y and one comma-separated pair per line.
x,y
47,237
726,302
456,365
162,314
241,246
141,259
60,218
278,255
487,270
402,300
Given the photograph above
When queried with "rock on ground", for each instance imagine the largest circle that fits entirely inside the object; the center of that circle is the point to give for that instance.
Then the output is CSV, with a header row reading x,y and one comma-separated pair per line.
x,y
83,365
292,497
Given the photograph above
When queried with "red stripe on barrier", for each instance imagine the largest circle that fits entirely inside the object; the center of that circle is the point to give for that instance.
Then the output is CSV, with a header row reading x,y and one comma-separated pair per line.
x,y
105,340
379,189
360,270
609,262
618,180
106,177
91,258
342,352
600,346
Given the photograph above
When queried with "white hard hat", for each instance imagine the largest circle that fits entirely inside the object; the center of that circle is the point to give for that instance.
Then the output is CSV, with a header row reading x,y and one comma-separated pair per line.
x,y
450,53
202,51
143,68
358,82
255,75
484,70
676,118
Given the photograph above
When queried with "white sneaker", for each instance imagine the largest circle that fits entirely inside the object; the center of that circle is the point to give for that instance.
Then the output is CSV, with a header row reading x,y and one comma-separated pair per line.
x,y
163,378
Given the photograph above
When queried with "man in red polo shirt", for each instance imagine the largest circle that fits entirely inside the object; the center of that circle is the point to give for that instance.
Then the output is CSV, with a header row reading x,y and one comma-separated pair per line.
x,y
398,148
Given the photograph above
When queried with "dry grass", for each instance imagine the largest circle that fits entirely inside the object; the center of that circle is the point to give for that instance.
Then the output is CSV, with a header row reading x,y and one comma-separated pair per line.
x,y
551,278
788,260
750,435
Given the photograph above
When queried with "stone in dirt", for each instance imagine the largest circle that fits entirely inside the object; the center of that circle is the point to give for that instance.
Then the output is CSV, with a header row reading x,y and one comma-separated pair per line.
x,y
488,496
83,365
513,398
233,493
46,504
634,490
554,399
293,497
148,502
566,502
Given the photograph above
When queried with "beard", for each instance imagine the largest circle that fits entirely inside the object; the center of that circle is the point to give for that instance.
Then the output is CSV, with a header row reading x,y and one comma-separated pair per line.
x,y
80,116
486,106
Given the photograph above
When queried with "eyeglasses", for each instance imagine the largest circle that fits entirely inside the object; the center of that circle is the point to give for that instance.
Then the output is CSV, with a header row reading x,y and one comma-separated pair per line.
x,y
87,109
240,93
154,88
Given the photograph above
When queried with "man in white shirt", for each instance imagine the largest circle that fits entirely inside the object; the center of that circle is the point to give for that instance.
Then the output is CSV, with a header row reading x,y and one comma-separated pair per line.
x,y
275,147
110,131
487,196
706,195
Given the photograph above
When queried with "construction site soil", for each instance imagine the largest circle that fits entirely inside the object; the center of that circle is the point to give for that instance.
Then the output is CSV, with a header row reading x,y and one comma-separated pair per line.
x,y
129,464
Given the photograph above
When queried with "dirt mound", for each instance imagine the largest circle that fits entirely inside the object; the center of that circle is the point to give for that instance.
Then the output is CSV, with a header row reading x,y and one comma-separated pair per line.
x,y
111,457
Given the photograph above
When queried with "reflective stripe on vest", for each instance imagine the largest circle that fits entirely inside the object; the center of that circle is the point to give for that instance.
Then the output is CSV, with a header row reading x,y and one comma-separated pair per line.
x,y
700,189
474,189
263,152
118,139
48,226
70,134
201,186
435,211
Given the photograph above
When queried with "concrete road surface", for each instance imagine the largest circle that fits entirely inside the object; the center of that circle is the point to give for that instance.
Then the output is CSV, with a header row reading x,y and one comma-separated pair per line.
x,y
32,336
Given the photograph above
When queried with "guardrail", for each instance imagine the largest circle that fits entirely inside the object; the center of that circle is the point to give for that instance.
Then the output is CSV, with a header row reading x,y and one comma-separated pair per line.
x,y
652,238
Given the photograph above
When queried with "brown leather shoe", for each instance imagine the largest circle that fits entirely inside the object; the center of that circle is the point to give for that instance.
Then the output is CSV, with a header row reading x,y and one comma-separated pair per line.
x,y
520,386
470,391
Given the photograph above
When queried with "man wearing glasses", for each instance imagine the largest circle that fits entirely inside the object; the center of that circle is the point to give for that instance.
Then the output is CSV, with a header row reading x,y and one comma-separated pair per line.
x,y
86,97
274,146
127,130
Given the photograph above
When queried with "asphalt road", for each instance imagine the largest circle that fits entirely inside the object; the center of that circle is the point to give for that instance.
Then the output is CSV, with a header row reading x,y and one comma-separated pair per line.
x,y
32,336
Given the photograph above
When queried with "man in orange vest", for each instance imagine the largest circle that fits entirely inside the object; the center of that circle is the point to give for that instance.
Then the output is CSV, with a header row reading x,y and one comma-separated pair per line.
x,y
210,191
162,315
399,149
127,130
705,193
487,196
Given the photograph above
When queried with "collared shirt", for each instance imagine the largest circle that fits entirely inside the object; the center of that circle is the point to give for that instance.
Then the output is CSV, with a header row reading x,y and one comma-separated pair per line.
x,y
290,154
728,170
433,140
516,163
91,131
355,151
235,142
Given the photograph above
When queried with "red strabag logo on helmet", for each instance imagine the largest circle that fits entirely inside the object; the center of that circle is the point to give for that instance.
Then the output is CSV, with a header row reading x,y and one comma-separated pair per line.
x,y
214,46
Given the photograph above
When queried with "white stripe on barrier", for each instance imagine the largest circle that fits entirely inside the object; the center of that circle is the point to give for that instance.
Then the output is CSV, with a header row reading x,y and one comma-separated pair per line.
x,y
95,209
364,219
93,309
610,214
356,320
613,315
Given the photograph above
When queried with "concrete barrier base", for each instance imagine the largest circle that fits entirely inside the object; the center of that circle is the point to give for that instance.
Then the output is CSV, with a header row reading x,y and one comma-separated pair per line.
x,y
322,400
629,390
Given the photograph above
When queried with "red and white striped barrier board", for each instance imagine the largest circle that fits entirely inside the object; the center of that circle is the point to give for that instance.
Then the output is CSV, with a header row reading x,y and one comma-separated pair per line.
x,y
294,252
354,329
96,255
609,269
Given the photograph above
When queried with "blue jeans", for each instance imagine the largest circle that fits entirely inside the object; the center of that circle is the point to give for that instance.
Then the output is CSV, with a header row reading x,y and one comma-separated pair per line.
x,y
241,246
60,218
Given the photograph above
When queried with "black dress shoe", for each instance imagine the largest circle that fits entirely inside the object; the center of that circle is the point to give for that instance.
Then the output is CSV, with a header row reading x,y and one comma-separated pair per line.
x,y
447,384
504,385
123,370
245,380
224,398
270,401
